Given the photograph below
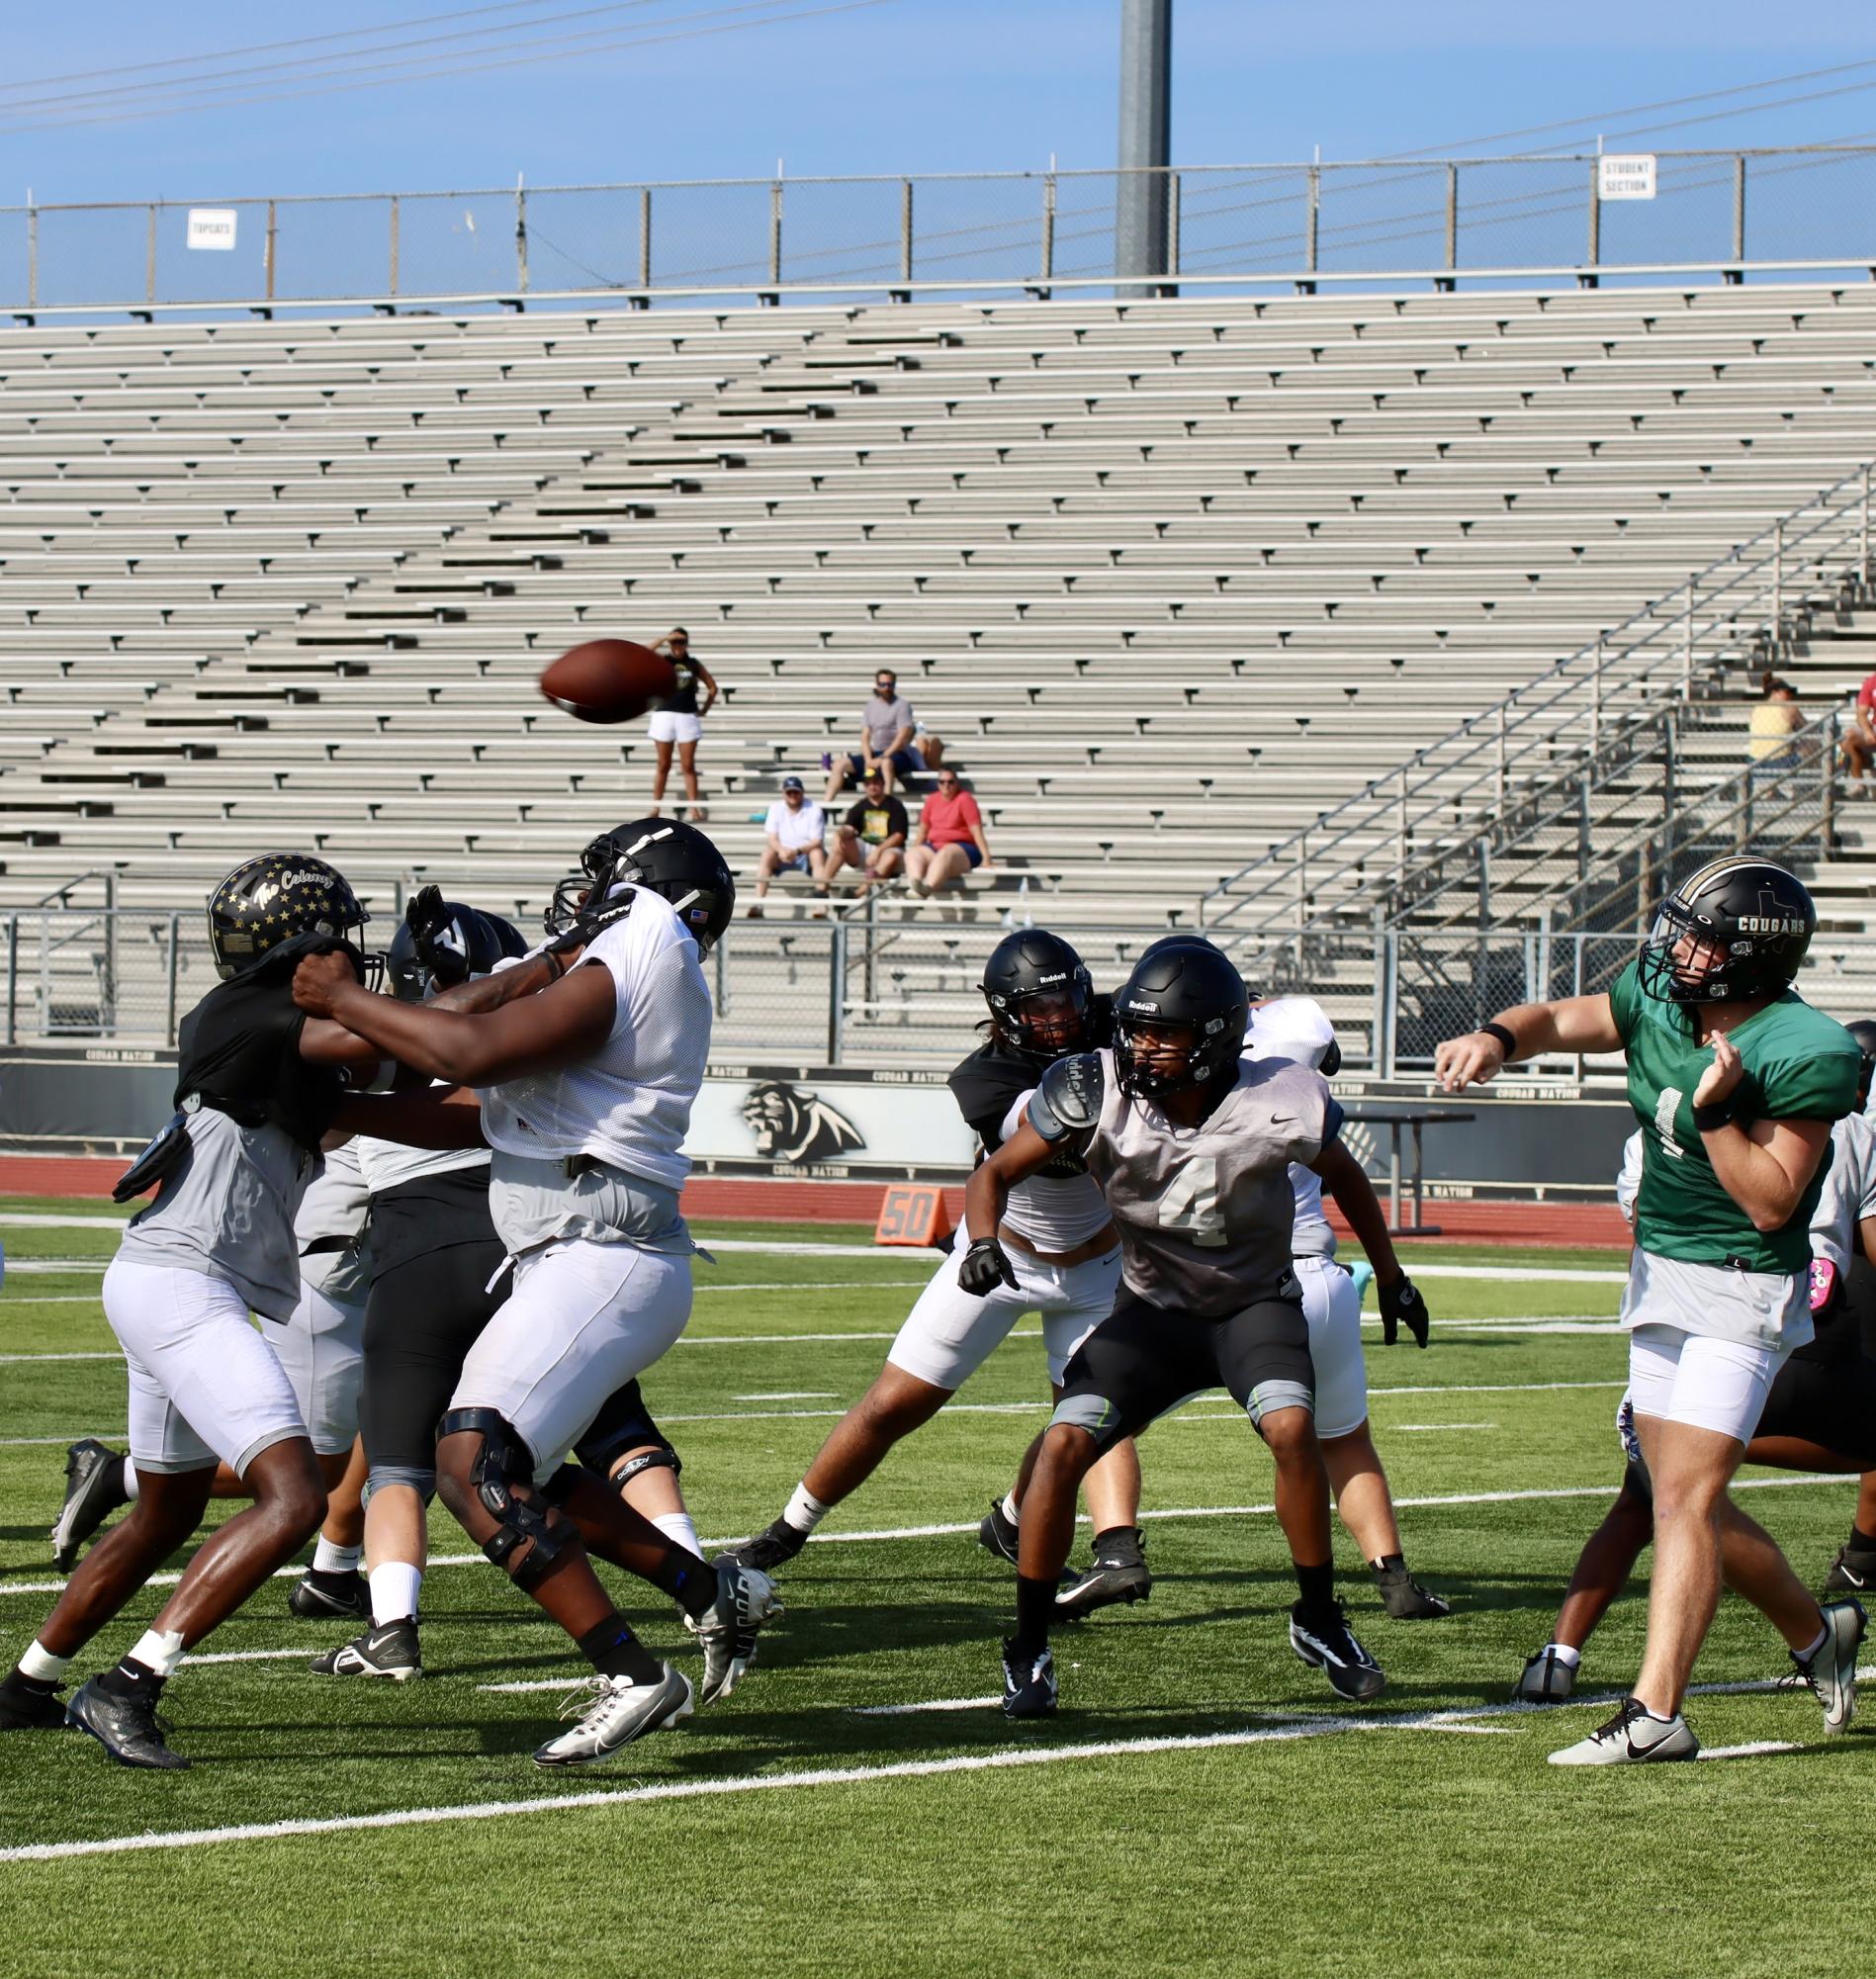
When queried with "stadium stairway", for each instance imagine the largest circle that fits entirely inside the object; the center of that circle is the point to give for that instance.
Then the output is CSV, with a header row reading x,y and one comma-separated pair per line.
x,y
1170,578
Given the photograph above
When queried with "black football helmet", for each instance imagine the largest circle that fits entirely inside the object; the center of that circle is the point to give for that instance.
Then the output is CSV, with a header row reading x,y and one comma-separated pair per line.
x,y
443,943
1184,939
1864,1031
272,897
1040,995
1186,984
662,856
1737,928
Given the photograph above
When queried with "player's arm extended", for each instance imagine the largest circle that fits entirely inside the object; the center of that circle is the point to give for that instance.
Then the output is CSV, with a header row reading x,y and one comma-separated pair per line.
x,y
1572,1024
1764,1165
560,1026
1347,1181
492,992
442,1117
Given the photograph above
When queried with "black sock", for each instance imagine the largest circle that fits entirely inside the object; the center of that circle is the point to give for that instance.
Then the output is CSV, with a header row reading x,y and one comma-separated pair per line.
x,y
1390,1563
131,1678
17,1683
1864,1542
614,1651
689,1581
1317,1584
1036,1610
1119,1543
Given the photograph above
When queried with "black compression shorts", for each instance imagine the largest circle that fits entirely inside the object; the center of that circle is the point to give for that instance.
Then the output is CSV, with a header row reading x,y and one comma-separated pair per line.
x,y
1826,1398
623,1424
420,1322
1142,1360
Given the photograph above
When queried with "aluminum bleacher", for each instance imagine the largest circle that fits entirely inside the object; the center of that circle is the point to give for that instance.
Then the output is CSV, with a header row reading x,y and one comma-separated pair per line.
x,y
1169,578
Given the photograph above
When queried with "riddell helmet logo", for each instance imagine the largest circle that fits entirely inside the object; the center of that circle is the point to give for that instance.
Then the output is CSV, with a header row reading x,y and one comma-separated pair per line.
x,y
1141,1003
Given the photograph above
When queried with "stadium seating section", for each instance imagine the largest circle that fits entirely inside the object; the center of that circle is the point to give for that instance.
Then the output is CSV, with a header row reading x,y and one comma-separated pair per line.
x,y
1169,578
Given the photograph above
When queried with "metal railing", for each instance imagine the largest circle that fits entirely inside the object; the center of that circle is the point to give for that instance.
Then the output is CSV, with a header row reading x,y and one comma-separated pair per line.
x,y
1722,214
1392,842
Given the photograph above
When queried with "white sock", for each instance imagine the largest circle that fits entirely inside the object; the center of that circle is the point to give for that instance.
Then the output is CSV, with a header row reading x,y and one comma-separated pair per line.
x,y
1805,1654
1571,1658
393,1592
42,1665
804,1511
158,1650
677,1528
1011,1509
330,1559
129,1479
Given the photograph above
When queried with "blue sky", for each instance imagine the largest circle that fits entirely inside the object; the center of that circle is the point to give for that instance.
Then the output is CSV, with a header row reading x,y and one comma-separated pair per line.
x,y
919,85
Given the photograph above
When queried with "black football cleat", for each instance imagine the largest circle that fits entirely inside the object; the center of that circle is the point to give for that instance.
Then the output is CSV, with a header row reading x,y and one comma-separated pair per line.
x,y
125,1727
1028,1682
1325,1642
1119,1574
319,1597
772,1546
998,1534
94,1489
25,1706
1852,1572
390,1651
1405,1598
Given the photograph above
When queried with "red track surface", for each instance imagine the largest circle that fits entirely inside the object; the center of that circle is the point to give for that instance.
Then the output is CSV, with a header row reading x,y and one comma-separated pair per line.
x,y
759,1201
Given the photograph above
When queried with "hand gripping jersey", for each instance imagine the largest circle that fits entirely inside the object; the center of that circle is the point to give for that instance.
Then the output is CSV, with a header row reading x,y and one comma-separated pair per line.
x,y
1204,1212
1060,1206
1298,1028
255,1112
1799,1065
628,1105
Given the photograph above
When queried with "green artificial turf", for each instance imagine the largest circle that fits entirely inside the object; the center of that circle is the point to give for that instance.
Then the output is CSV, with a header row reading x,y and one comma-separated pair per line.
x,y
1336,1839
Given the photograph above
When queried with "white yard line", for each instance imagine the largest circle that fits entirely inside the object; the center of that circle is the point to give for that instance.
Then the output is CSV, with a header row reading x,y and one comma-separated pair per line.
x,y
14,1360
254,1656
935,1704
1426,1428
1748,1751
790,1395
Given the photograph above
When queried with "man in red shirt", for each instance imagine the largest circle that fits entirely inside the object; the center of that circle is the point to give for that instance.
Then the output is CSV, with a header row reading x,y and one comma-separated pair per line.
x,y
950,840
1860,738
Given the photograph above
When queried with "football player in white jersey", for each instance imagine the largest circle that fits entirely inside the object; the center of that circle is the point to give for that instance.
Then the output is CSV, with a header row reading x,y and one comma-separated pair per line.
x,y
1297,1027
1191,1145
1064,1253
585,1090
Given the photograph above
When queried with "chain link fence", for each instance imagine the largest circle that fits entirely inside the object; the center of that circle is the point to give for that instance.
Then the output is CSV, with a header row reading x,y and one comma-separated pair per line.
x,y
958,234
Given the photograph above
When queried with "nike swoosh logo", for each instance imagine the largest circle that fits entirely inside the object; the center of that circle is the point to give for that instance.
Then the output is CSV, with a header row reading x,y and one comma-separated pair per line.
x,y
1855,1579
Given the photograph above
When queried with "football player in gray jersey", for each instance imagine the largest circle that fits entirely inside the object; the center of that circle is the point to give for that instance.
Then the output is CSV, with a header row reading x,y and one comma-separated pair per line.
x,y
1192,1145
258,1085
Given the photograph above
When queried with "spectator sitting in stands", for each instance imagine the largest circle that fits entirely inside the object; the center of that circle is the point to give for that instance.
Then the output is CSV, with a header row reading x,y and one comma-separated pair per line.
x,y
872,837
794,829
950,841
890,741
1776,720
1859,737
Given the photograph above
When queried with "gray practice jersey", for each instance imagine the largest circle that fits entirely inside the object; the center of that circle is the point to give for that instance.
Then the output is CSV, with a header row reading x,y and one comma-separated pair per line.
x,y
1205,1212
1849,1191
228,1210
334,1202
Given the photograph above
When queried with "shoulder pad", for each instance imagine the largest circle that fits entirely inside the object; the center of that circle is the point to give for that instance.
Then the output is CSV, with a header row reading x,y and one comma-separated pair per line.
x,y
1068,1098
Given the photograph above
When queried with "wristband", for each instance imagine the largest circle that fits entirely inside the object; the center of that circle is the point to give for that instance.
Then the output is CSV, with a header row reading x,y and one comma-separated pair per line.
x,y
1504,1038
1718,1115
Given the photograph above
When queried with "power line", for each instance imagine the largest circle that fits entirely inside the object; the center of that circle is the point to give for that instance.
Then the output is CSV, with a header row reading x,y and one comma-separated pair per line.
x,y
418,69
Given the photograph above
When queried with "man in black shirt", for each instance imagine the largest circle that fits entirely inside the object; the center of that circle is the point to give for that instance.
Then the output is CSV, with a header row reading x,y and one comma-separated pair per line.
x,y
871,839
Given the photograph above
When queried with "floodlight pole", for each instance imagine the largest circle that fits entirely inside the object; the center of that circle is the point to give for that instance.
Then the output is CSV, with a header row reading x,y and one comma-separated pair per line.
x,y
1145,150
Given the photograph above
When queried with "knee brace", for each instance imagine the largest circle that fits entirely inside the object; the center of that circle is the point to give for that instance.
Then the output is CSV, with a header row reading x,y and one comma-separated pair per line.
x,y
1092,1412
504,1462
663,1458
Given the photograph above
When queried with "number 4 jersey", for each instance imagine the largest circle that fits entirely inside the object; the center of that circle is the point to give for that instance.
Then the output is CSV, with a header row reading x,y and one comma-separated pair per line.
x,y
1204,1212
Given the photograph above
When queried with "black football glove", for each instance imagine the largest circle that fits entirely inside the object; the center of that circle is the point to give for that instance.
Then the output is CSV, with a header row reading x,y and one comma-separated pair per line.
x,y
424,917
1400,1303
586,927
984,1268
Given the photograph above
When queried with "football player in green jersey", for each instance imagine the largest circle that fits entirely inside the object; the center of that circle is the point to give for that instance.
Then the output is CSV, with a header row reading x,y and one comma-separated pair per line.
x,y
1736,1081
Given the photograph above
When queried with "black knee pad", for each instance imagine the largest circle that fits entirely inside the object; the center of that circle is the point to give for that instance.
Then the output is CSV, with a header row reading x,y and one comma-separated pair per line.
x,y
663,1458
502,1462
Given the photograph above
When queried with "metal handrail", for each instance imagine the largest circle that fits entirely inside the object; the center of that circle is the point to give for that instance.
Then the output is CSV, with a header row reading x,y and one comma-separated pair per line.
x,y
1289,873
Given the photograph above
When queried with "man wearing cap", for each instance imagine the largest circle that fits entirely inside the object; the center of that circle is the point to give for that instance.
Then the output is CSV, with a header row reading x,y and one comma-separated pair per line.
x,y
794,829
871,838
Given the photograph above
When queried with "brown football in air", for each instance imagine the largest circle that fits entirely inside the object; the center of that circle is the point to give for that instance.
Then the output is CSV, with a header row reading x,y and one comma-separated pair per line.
x,y
608,680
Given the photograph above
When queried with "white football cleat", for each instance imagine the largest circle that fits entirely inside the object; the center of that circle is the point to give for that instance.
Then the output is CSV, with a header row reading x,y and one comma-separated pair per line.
x,y
613,1712
1830,1670
1547,1678
1632,1739
746,1601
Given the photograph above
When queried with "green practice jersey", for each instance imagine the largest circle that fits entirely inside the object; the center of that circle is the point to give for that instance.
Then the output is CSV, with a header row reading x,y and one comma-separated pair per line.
x,y
1799,1065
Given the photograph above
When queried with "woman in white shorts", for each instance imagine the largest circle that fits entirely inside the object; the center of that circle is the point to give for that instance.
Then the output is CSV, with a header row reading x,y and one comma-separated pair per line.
x,y
676,722
1736,1081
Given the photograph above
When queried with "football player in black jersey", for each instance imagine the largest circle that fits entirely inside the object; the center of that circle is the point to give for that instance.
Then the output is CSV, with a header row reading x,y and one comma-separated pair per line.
x,y
1064,1262
257,1088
